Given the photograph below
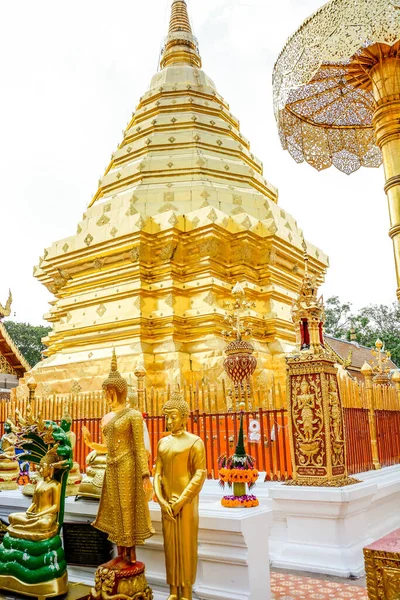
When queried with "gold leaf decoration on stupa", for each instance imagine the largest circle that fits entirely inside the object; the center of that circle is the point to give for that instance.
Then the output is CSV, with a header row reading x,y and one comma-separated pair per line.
x,y
101,310
103,220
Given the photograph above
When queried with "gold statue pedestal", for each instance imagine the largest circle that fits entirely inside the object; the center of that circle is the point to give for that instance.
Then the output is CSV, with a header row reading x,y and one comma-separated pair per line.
x,y
41,591
9,473
120,579
74,480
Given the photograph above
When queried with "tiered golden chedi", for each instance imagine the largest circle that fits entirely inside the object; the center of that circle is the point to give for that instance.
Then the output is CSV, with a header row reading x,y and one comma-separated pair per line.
x,y
182,212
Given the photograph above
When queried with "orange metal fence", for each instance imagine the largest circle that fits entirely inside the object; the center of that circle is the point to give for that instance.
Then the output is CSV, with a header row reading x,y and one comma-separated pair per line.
x,y
358,440
272,452
219,431
388,436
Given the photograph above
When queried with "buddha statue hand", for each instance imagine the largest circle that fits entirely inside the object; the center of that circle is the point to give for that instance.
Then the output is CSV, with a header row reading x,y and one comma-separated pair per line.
x,y
87,436
178,505
147,488
167,511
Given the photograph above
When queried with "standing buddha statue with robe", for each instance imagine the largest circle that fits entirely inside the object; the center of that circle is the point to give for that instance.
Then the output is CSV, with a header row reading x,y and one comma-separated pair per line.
x,y
179,477
74,476
123,511
9,465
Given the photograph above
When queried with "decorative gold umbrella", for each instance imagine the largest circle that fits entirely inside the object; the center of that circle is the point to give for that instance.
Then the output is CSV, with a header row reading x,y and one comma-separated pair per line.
x,y
337,93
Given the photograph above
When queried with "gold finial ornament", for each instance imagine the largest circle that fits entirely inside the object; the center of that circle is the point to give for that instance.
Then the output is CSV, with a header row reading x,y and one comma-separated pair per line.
x,y
181,47
396,376
239,363
381,366
308,313
5,311
337,94
32,385
368,370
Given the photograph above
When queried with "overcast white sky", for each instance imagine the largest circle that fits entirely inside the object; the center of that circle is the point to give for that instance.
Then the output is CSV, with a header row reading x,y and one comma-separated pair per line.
x,y
73,72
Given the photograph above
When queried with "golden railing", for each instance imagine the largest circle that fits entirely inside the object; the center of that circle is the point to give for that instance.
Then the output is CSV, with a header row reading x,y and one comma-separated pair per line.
x,y
205,398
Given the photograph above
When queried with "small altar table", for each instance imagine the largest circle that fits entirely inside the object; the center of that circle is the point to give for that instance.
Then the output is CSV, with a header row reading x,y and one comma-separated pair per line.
x,y
382,566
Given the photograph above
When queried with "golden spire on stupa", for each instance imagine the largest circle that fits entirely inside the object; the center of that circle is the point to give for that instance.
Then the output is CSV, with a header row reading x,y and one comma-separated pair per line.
x,y
182,212
180,45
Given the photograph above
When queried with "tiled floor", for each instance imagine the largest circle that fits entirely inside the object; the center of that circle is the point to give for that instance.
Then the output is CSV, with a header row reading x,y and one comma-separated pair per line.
x,y
294,587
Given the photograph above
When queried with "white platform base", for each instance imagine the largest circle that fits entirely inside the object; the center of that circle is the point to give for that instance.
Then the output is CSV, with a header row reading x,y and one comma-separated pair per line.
x,y
233,549
324,530
320,530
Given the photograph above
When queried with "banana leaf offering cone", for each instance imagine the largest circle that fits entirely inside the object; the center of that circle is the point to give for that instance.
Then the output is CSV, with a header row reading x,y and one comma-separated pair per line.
x,y
238,471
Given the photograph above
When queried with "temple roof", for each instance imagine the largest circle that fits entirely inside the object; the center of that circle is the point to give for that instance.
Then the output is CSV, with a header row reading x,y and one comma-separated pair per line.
x,y
11,360
354,354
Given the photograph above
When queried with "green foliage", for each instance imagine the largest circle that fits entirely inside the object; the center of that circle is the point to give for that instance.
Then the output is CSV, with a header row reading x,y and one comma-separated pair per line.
x,y
369,323
337,317
28,339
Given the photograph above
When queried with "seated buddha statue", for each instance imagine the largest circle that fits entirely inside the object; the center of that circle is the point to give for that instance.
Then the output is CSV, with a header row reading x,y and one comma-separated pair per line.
x,y
40,521
9,465
74,476
92,483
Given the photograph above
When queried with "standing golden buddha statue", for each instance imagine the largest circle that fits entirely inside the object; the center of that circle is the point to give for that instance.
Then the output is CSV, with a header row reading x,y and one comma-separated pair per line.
x,y
74,475
179,477
123,513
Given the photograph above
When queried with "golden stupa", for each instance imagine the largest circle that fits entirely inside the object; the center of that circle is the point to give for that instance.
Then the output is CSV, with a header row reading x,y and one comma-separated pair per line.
x,y
182,212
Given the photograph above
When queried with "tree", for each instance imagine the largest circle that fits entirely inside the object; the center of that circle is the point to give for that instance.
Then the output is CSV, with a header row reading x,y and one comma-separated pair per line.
x,y
337,317
28,339
380,321
369,323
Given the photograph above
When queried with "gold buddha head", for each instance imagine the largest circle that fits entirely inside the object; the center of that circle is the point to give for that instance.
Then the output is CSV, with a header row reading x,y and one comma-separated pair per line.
x,y
115,386
50,458
304,388
176,411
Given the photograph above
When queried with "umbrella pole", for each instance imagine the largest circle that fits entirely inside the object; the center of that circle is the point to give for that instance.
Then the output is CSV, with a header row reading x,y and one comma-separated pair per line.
x,y
385,78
